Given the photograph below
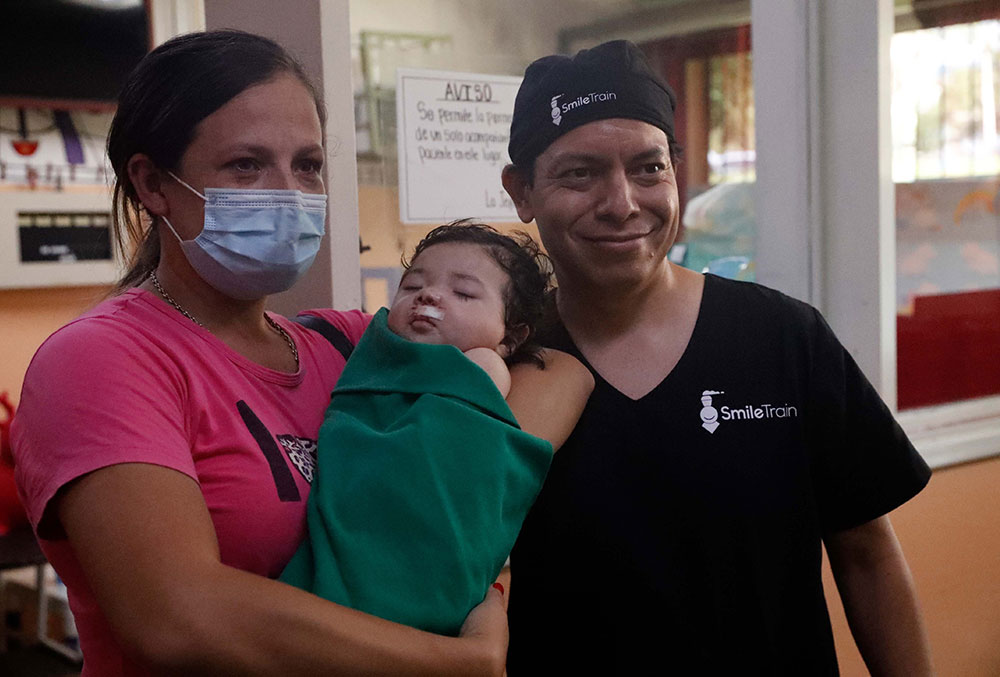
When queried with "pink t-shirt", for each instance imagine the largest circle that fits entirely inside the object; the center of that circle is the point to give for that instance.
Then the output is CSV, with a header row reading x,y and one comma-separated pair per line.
x,y
135,381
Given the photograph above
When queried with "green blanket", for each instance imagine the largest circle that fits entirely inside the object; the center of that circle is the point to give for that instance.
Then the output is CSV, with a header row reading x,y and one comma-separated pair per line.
x,y
423,480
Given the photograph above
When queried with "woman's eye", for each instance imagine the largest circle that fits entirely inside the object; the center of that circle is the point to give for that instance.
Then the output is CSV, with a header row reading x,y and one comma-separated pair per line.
x,y
245,165
311,166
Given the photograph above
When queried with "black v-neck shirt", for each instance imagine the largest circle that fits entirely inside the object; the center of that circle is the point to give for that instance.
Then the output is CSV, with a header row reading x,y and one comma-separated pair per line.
x,y
681,532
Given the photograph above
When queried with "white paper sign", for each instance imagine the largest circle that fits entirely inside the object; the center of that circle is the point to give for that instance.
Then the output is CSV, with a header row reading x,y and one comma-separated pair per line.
x,y
452,134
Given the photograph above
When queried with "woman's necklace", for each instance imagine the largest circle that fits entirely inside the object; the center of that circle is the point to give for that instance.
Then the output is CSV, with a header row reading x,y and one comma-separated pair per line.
x,y
274,325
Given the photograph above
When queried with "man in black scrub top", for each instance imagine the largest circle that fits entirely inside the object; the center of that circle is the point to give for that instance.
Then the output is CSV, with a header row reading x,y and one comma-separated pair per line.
x,y
729,437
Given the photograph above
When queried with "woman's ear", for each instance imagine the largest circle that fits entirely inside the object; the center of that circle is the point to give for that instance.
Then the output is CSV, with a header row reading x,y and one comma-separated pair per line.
x,y
516,184
513,340
147,179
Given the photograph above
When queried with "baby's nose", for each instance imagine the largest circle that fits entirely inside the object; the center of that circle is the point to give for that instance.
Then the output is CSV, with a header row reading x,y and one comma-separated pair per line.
x,y
429,296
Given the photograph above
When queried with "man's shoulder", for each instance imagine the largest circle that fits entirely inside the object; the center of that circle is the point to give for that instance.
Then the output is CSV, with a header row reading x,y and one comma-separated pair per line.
x,y
725,303
752,303
757,295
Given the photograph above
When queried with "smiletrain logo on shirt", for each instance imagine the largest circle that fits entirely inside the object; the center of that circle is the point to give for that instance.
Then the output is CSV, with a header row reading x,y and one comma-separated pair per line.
x,y
560,109
711,417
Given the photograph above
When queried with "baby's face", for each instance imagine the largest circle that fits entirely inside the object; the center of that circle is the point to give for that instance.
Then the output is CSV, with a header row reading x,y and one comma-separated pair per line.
x,y
453,294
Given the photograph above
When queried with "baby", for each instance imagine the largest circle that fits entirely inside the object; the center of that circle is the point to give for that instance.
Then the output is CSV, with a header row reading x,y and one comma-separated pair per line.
x,y
493,289
424,475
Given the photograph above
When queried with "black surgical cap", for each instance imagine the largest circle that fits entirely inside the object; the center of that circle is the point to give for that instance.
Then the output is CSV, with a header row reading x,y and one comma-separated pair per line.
x,y
559,94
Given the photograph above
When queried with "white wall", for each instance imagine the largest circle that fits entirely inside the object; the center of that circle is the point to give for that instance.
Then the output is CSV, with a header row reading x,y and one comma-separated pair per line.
x,y
824,189
487,36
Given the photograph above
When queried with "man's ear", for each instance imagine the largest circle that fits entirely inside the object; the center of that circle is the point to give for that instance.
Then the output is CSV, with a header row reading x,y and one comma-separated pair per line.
x,y
513,340
516,184
147,180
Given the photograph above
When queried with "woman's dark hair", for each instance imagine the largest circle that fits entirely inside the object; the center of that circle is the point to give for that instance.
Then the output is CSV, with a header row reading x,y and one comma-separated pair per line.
x,y
528,270
174,87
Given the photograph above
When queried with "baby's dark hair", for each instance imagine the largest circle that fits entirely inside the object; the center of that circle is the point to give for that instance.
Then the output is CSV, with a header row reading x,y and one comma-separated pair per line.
x,y
529,274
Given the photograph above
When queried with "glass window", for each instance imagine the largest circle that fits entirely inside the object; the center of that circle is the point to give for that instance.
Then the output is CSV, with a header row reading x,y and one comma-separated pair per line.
x,y
711,72
946,165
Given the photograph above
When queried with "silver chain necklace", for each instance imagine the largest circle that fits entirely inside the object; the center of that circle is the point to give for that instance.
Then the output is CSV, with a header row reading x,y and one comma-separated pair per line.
x,y
274,325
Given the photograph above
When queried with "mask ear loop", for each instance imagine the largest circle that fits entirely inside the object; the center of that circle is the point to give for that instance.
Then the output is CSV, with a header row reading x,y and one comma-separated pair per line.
x,y
188,186
171,227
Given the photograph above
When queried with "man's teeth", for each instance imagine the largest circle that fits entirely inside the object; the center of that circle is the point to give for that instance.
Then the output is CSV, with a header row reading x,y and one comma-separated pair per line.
x,y
431,312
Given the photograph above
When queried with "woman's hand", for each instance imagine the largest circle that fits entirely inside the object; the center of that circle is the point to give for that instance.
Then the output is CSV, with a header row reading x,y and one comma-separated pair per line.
x,y
487,623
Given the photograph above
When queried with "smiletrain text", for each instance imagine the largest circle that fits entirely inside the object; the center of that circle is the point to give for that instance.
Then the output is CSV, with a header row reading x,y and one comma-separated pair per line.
x,y
750,411
588,98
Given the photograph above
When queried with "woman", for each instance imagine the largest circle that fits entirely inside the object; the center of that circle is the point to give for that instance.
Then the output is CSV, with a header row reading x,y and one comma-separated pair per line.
x,y
162,441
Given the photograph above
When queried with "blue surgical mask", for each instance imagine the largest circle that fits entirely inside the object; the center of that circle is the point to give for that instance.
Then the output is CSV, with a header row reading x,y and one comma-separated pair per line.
x,y
255,242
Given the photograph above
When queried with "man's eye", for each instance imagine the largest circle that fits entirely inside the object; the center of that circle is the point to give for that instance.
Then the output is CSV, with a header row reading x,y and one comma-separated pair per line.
x,y
578,173
654,167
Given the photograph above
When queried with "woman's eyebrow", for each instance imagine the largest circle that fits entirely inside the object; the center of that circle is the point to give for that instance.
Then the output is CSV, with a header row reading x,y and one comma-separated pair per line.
x,y
248,148
309,149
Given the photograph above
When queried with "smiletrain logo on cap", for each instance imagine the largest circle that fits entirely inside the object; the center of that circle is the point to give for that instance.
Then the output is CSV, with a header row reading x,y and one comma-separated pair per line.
x,y
556,111
612,80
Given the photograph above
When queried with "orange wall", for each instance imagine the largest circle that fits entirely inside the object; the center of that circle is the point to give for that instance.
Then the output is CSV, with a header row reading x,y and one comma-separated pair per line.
x,y
27,317
951,536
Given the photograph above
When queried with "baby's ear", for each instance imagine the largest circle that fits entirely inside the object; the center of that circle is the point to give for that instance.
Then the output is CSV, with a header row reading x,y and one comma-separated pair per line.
x,y
513,340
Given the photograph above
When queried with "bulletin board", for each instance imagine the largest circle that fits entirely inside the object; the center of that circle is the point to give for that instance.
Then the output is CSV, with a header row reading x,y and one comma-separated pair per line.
x,y
453,129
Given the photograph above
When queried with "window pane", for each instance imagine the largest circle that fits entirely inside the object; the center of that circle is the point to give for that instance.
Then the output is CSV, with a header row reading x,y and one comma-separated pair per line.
x,y
946,164
711,72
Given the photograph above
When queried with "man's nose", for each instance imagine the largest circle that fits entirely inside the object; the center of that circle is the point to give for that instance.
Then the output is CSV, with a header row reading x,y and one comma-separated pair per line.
x,y
618,201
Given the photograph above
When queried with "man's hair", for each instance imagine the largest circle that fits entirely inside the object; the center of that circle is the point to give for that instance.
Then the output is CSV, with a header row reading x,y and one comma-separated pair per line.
x,y
529,275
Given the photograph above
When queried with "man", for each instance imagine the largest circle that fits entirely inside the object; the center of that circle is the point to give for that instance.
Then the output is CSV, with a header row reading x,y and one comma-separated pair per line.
x,y
729,434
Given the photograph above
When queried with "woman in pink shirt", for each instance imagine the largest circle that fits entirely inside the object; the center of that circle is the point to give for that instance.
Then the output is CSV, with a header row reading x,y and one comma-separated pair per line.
x,y
165,439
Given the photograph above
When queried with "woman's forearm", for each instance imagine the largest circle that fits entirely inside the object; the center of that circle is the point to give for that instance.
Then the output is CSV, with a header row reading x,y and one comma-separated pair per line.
x,y
146,543
245,624
548,403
